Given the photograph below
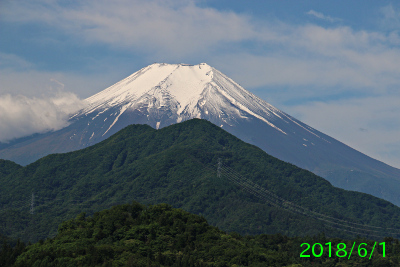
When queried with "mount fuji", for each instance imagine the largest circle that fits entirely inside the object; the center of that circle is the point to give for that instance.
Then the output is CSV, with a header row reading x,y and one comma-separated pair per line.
x,y
163,94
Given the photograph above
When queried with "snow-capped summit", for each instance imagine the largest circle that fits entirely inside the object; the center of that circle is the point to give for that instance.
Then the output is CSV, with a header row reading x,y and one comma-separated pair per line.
x,y
163,94
183,91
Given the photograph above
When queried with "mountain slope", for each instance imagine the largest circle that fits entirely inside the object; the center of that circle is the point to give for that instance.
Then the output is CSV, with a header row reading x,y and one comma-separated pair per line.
x,y
163,94
178,165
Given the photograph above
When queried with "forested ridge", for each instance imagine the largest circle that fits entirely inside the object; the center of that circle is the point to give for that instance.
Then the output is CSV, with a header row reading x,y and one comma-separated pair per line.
x,y
7,167
178,165
159,235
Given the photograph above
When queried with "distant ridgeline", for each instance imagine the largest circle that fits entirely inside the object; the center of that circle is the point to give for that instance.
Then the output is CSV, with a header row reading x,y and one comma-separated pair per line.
x,y
195,166
136,235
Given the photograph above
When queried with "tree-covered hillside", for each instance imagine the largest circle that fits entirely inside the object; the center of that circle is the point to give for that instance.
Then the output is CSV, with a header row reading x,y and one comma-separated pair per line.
x,y
178,165
135,235
7,167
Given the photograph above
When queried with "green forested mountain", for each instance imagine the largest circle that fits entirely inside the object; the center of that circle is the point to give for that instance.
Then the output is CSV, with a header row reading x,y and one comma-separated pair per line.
x,y
136,235
7,167
178,165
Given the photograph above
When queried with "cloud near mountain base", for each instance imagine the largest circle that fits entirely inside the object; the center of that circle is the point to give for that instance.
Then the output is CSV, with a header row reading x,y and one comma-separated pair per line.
x,y
22,116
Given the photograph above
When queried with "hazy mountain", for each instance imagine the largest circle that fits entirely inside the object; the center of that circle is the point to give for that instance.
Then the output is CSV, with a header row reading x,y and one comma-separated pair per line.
x,y
163,94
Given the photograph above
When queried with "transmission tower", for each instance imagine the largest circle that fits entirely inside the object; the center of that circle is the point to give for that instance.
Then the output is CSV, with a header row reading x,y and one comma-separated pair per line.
x,y
219,168
33,203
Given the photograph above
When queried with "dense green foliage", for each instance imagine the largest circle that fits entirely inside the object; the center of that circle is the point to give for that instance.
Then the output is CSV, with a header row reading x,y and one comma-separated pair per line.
x,y
9,251
7,167
177,165
135,235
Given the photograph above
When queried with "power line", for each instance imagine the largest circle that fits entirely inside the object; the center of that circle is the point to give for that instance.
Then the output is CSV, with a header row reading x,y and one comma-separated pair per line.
x,y
279,202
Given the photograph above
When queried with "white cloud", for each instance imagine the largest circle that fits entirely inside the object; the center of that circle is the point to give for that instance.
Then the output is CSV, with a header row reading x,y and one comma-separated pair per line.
x,y
325,58
13,61
21,116
20,77
391,17
179,30
322,16
33,101
175,27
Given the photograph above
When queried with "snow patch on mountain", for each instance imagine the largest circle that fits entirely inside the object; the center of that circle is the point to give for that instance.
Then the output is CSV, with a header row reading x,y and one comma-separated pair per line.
x,y
116,119
183,91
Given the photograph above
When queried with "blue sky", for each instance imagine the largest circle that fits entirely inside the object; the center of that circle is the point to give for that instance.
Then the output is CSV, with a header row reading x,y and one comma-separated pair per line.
x,y
332,64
